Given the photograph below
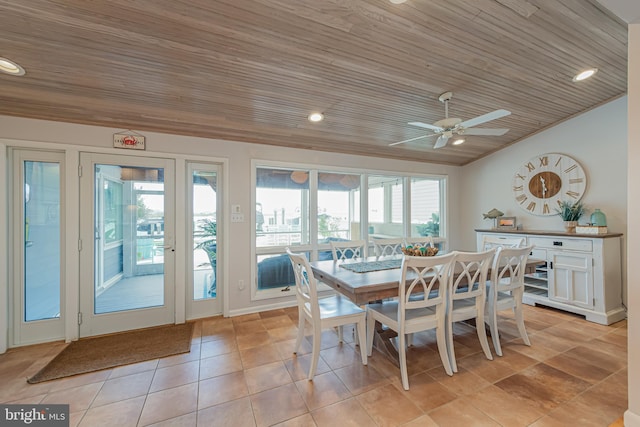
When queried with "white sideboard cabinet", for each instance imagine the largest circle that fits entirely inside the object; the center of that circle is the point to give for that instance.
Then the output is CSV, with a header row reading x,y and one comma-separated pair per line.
x,y
579,273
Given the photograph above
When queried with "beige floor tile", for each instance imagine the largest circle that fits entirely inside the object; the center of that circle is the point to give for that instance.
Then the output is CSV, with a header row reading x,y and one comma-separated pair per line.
x,y
305,420
221,389
461,413
583,381
122,414
298,366
123,388
187,420
277,405
256,339
175,375
220,365
388,407
425,392
218,347
504,408
256,356
134,368
171,403
340,356
325,389
78,398
267,376
237,413
461,383
348,413
359,378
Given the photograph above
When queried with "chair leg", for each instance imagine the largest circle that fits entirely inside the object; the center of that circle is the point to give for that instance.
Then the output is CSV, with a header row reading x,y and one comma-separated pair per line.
x,y
442,347
315,353
341,333
371,324
495,334
300,333
482,335
409,340
449,346
517,310
402,352
361,329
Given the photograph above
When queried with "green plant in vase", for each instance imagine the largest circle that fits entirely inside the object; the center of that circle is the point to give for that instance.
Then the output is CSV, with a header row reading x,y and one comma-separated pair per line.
x,y
570,212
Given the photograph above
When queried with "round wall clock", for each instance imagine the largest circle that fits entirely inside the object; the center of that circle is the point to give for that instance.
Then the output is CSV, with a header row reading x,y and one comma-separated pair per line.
x,y
544,181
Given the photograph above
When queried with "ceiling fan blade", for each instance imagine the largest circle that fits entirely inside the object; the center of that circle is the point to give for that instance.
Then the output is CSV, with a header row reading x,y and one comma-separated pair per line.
x,y
485,118
441,142
426,126
410,139
488,132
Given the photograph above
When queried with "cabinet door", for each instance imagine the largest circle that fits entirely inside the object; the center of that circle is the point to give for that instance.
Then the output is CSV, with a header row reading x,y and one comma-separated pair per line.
x,y
571,277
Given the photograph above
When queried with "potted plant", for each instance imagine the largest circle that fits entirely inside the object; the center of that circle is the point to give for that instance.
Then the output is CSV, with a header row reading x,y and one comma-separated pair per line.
x,y
209,245
570,212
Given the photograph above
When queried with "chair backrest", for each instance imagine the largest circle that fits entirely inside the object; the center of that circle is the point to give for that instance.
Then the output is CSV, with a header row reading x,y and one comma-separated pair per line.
x,y
470,278
424,282
507,271
306,284
384,247
423,241
347,250
489,242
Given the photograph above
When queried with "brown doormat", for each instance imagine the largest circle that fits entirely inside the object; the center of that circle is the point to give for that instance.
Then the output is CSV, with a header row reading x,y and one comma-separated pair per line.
x,y
108,351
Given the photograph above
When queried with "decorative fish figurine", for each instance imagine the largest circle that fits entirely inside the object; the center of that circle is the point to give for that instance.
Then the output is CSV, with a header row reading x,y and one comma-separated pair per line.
x,y
493,213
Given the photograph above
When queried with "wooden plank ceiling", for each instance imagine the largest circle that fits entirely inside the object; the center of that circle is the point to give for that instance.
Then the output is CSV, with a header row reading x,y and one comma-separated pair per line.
x,y
253,70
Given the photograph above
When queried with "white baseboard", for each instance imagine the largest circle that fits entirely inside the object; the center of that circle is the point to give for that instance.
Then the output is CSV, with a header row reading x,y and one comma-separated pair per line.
x,y
266,307
631,419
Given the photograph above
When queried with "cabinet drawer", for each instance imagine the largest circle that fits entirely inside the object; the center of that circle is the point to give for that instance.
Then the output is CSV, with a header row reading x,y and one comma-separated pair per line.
x,y
584,245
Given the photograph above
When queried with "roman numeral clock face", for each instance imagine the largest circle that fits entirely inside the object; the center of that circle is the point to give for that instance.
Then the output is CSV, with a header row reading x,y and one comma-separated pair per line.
x,y
545,180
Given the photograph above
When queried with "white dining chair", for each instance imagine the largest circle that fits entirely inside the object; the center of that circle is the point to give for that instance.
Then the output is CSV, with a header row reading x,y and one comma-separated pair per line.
x,y
467,294
348,249
420,306
505,291
387,247
490,242
423,241
325,313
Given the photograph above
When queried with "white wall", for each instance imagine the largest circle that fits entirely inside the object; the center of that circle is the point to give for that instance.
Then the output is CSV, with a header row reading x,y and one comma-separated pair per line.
x,y
597,139
239,157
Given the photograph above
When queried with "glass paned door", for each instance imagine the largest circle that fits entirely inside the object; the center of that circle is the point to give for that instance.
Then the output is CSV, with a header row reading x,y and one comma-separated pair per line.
x,y
127,243
204,295
38,238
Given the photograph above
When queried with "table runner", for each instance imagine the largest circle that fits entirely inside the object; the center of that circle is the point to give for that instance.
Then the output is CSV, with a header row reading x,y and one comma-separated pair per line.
x,y
367,266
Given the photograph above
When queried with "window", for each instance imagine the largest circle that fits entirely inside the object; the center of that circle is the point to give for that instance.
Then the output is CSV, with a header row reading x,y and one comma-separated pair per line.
x,y
305,209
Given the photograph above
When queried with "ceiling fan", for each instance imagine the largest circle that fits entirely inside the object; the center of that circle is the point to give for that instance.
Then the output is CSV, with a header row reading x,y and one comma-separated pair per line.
x,y
450,126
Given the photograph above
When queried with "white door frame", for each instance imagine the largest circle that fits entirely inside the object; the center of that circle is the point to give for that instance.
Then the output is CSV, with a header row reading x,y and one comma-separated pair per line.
x,y
35,331
95,324
210,306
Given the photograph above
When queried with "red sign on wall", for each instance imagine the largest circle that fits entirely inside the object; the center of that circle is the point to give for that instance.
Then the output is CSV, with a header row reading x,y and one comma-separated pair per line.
x,y
123,140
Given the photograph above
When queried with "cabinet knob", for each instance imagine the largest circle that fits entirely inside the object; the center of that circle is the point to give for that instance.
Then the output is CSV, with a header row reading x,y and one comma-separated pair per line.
x,y
557,243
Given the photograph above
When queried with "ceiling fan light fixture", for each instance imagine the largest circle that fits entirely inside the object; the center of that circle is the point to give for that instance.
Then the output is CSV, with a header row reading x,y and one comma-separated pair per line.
x,y
583,75
9,67
315,117
458,141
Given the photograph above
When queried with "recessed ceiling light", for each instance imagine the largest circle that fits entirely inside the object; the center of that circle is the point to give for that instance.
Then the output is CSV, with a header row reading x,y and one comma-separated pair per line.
x,y
585,74
10,67
458,141
316,117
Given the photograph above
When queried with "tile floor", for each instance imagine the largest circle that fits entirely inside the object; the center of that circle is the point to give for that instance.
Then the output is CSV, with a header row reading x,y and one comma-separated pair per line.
x,y
241,372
